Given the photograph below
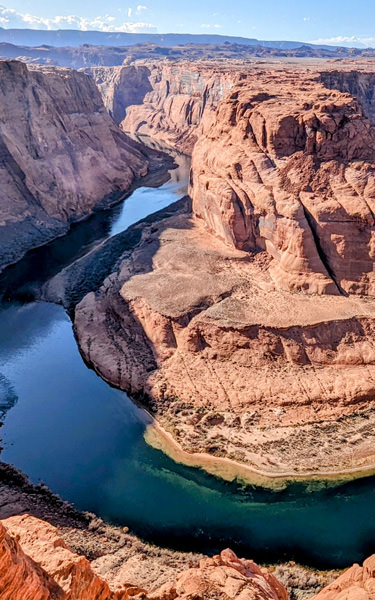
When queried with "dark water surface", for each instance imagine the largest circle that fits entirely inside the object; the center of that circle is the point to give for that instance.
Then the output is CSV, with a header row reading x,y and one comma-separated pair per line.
x,y
84,439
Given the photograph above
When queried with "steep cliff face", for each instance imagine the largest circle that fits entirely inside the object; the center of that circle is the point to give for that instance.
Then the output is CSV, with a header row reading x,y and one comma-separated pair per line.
x,y
61,155
291,171
359,84
36,564
164,100
121,87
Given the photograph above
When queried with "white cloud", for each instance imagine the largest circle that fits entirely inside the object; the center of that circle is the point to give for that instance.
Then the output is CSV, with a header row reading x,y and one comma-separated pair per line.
x,y
208,26
141,7
106,23
350,41
306,19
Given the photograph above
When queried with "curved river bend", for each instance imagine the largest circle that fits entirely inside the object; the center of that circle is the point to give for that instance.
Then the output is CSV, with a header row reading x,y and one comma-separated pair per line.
x,y
84,439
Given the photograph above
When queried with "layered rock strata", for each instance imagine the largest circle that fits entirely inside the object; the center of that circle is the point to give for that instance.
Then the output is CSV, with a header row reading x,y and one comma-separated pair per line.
x,y
61,155
165,100
290,170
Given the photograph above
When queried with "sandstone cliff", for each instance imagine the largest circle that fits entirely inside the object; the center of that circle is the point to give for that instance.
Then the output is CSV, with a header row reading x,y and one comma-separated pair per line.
x,y
164,100
36,564
61,155
291,171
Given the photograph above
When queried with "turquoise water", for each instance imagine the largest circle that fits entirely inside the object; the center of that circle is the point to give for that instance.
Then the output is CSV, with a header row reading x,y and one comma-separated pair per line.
x,y
84,439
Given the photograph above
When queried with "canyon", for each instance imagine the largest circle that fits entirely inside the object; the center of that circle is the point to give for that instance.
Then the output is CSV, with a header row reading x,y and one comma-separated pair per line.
x,y
242,317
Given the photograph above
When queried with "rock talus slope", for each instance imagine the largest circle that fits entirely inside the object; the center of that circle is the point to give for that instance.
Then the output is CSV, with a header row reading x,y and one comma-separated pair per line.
x,y
61,155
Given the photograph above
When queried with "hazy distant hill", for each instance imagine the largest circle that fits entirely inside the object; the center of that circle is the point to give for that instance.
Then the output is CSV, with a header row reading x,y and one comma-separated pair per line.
x,y
67,37
93,56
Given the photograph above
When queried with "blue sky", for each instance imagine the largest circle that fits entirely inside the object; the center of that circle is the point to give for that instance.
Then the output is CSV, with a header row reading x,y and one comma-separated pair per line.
x,y
329,21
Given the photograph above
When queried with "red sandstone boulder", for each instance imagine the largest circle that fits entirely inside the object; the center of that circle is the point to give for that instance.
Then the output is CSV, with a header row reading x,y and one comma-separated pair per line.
x,y
223,577
357,583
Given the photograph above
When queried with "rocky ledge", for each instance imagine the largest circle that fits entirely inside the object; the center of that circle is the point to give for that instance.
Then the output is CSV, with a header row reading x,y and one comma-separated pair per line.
x,y
229,364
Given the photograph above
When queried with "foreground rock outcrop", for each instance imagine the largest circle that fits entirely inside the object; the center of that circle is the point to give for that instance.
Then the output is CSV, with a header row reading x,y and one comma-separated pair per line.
x,y
36,564
61,155
224,577
357,583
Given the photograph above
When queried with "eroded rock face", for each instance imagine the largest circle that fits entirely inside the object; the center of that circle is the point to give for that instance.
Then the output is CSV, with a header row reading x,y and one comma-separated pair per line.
x,y
61,155
291,170
20,578
164,100
36,564
357,583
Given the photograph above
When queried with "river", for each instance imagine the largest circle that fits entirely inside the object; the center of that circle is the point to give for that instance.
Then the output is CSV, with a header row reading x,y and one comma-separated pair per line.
x,y
66,427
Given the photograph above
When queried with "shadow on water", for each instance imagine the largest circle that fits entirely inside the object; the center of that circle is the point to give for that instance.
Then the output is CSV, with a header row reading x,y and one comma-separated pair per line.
x,y
22,281
84,439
